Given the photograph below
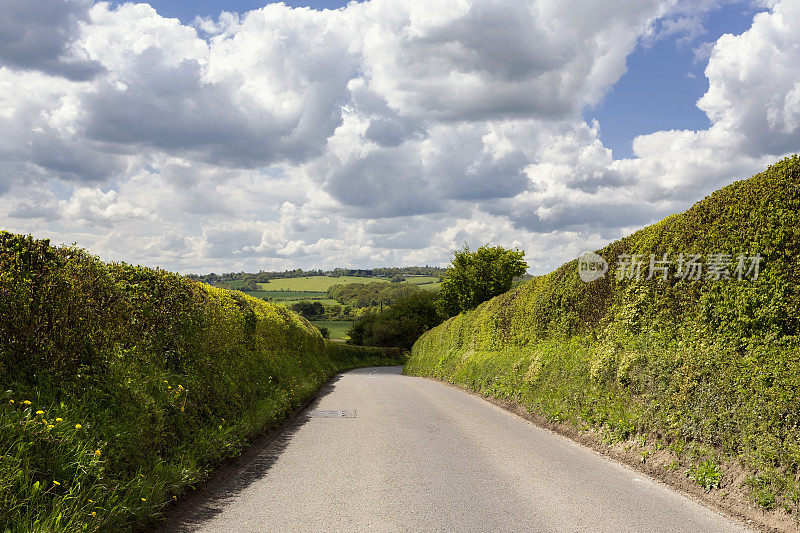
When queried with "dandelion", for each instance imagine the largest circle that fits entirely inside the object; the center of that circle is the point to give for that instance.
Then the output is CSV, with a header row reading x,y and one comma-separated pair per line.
x,y
50,426
59,419
169,386
39,412
27,402
94,513
11,401
144,499
174,498
97,453
56,483
91,501
78,426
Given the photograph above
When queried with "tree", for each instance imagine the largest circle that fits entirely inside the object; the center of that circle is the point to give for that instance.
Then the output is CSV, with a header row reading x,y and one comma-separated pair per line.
x,y
475,277
400,325
309,310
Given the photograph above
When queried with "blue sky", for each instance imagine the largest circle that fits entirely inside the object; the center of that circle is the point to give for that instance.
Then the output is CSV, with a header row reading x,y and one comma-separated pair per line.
x,y
187,10
662,85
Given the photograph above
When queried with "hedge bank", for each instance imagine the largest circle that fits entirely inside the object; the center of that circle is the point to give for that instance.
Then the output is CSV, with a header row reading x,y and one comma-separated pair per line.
x,y
121,385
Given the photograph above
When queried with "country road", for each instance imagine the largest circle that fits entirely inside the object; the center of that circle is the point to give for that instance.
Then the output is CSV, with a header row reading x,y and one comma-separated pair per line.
x,y
411,454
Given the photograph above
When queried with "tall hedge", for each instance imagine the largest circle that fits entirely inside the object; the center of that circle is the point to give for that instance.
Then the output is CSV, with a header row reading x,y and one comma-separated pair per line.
x,y
709,362
121,385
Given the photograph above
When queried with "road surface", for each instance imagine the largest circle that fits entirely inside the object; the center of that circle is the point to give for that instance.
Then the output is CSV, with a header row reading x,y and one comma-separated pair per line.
x,y
410,454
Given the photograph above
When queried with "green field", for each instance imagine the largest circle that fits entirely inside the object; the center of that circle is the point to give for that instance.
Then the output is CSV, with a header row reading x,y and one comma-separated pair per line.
x,y
422,280
315,283
338,328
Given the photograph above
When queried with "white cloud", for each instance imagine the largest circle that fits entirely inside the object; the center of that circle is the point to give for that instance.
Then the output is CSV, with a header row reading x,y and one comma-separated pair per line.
x,y
386,132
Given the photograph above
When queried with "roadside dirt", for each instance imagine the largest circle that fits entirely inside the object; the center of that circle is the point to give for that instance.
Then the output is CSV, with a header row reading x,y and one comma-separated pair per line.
x,y
665,466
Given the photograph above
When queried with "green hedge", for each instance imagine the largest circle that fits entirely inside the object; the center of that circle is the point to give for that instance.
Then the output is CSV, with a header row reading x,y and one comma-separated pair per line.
x,y
714,364
121,385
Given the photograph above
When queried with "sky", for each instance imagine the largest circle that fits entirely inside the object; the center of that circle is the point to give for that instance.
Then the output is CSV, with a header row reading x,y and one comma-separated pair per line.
x,y
225,136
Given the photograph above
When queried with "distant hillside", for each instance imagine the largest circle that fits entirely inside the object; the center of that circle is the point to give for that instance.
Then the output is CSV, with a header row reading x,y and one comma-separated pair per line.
x,y
708,366
265,277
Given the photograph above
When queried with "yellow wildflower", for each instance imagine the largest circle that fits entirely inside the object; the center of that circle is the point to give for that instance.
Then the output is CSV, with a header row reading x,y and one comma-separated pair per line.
x,y
50,426
97,453
27,402
11,401
144,499
39,412
78,426
59,419
91,501
56,482
94,513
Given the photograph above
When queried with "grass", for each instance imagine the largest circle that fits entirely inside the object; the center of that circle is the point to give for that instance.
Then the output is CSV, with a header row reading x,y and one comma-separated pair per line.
x,y
338,328
714,363
314,283
126,385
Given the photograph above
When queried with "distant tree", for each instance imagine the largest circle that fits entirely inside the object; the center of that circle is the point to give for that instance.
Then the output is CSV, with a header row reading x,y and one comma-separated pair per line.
x,y
309,310
397,278
400,325
250,285
326,333
475,277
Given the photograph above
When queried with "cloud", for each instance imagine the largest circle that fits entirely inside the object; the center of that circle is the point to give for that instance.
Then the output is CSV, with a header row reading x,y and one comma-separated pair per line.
x,y
41,36
386,132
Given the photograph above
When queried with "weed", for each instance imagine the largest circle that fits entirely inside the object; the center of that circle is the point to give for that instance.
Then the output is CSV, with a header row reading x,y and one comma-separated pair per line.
x,y
707,474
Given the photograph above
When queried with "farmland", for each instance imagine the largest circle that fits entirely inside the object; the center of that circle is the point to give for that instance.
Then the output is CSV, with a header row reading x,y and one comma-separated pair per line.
x,y
337,328
315,283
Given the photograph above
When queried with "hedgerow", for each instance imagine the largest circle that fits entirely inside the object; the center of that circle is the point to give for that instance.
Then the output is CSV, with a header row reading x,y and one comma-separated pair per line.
x,y
120,385
711,362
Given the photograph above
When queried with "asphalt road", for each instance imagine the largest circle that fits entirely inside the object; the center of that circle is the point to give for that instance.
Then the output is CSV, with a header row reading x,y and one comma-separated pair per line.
x,y
421,456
